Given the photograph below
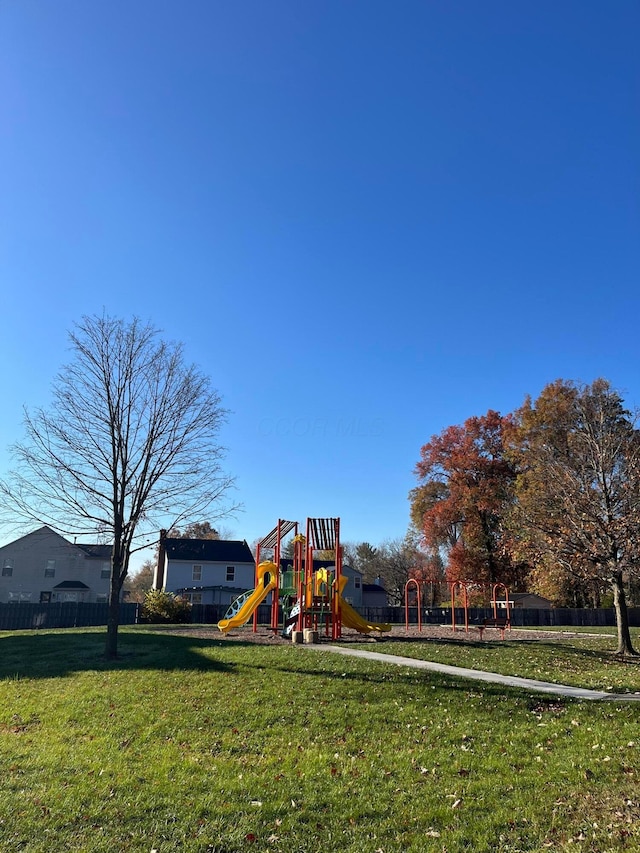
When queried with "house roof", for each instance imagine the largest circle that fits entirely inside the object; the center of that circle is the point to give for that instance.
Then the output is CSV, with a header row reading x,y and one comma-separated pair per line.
x,y
520,596
373,587
209,550
100,552
71,585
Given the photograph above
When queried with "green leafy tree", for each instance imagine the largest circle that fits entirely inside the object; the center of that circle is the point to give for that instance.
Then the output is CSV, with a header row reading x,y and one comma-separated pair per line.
x,y
161,606
367,560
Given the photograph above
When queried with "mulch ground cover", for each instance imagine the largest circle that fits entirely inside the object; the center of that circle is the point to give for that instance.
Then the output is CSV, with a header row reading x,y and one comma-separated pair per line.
x,y
398,634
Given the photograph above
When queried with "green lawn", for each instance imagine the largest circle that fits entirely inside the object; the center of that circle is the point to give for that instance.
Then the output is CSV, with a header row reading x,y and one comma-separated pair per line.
x,y
581,661
191,744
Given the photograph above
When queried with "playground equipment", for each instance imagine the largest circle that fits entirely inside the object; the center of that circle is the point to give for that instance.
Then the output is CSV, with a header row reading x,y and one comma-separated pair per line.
x,y
308,596
502,622
245,605
416,585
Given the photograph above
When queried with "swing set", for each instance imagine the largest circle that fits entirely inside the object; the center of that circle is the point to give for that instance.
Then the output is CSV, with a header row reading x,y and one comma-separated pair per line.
x,y
500,620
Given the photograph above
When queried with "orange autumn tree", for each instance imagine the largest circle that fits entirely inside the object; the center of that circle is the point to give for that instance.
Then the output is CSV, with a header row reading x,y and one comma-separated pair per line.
x,y
577,516
464,494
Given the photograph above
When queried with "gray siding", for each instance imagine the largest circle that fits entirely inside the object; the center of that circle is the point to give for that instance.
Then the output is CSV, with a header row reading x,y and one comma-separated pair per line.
x,y
352,592
32,567
179,576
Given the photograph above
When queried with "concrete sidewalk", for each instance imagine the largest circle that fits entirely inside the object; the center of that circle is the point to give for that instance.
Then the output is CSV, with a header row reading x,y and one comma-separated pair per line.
x,y
478,675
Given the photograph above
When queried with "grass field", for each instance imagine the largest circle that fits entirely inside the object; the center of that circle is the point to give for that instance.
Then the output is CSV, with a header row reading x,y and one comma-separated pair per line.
x,y
584,660
198,744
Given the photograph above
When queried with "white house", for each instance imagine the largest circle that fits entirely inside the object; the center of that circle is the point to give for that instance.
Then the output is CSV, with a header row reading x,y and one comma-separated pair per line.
x,y
206,571
43,567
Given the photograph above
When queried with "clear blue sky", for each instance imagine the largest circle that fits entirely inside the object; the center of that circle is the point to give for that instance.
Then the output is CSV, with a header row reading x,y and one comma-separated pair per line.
x,y
366,220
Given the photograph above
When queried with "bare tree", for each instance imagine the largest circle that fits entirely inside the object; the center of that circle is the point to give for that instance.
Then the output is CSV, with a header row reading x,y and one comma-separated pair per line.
x,y
396,560
138,585
130,444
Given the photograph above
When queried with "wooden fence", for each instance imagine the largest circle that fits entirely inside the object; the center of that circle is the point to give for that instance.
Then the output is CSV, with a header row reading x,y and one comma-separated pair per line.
x,y
70,614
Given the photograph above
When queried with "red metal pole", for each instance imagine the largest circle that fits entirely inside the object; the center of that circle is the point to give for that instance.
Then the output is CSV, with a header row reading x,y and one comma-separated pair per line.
x,y
506,602
466,607
303,581
337,627
406,603
255,584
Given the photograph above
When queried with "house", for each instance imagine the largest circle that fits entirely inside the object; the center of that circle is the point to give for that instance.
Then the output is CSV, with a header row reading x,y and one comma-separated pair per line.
x,y
352,592
526,599
216,571
374,595
205,571
44,567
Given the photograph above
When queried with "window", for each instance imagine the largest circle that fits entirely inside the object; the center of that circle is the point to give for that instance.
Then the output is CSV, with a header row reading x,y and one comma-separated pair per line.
x,y
193,597
45,597
197,573
105,574
50,569
356,582
231,573
101,599
19,596
7,569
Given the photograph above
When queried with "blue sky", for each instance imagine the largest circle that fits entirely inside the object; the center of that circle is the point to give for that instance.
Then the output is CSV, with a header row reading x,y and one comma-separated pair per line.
x,y
365,220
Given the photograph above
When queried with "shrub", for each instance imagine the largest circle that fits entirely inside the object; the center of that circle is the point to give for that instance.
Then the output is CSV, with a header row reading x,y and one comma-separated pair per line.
x,y
161,606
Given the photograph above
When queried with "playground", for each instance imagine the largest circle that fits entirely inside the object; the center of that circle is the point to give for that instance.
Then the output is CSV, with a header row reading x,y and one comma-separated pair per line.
x,y
307,598
396,634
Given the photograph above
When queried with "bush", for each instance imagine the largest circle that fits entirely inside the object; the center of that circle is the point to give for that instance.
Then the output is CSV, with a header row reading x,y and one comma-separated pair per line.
x,y
161,606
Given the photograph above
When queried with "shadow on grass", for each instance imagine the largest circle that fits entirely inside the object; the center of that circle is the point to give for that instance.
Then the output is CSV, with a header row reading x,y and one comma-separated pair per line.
x,y
57,654
396,677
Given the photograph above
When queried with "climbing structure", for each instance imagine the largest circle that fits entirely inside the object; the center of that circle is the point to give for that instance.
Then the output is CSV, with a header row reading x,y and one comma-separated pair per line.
x,y
307,593
273,542
321,601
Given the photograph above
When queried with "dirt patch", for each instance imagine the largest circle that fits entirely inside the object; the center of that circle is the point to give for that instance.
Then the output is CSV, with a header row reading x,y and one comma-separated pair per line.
x,y
264,636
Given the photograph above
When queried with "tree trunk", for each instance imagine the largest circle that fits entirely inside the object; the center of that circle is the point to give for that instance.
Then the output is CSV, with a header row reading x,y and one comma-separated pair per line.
x,y
113,616
625,647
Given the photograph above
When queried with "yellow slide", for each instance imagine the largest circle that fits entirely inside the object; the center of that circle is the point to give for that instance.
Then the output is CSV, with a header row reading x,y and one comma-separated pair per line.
x,y
352,619
242,608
